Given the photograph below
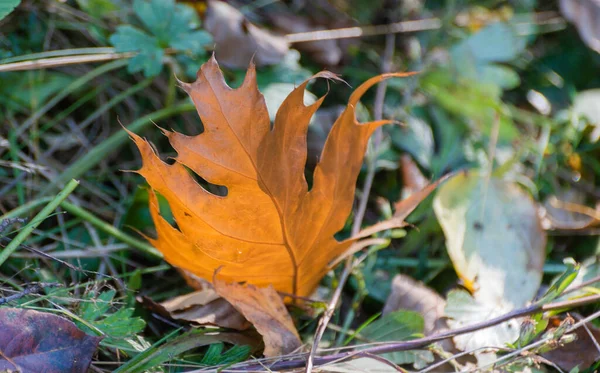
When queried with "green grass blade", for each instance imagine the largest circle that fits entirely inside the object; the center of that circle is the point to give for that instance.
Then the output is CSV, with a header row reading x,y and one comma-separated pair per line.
x,y
108,228
26,231
95,155
75,85
114,101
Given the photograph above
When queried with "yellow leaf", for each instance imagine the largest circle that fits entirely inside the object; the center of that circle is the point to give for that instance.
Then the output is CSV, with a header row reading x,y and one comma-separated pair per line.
x,y
269,229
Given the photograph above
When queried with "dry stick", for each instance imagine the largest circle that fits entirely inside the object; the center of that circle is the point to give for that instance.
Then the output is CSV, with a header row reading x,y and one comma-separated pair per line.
x,y
342,33
386,66
386,347
35,288
542,341
46,63
301,37
359,31
425,24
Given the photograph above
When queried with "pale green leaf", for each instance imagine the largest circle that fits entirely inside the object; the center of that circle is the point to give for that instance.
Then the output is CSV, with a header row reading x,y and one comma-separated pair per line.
x,y
7,6
463,310
493,236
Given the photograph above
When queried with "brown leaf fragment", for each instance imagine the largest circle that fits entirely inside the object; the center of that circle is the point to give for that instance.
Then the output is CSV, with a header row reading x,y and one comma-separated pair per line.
x,y
412,177
411,295
204,307
325,52
32,341
237,41
195,282
582,352
584,14
264,308
566,211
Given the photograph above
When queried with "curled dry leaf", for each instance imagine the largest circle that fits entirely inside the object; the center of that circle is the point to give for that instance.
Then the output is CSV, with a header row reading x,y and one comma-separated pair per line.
x,y
203,307
566,211
412,177
32,341
264,308
237,41
269,219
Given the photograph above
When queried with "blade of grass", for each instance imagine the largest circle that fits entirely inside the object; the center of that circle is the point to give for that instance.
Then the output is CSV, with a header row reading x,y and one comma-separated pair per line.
x,y
139,359
28,229
16,172
71,108
46,63
75,85
360,328
108,228
114,101
96,154
58,53
25,208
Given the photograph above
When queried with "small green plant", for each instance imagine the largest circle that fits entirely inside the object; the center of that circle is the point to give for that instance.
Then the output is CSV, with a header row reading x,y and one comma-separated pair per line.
x,y
118,327
166,27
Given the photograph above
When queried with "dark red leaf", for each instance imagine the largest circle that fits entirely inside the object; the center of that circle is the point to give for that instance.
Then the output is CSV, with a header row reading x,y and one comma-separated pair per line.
x,y
35,341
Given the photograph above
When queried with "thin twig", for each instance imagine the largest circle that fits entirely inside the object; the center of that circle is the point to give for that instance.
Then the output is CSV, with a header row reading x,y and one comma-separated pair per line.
x,y
35,288
386,66
46,63
360,31
298,360
542,341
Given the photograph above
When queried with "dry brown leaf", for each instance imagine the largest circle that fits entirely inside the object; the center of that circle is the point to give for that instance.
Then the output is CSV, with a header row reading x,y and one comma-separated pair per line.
x,y
204,307
237,41
566,211
194,281
325,52
412,177
583,352
269,229
411,295
264,308
585,15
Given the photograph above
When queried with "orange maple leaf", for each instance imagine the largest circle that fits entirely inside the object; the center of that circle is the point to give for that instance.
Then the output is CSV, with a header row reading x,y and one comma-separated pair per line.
x,y
269,228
